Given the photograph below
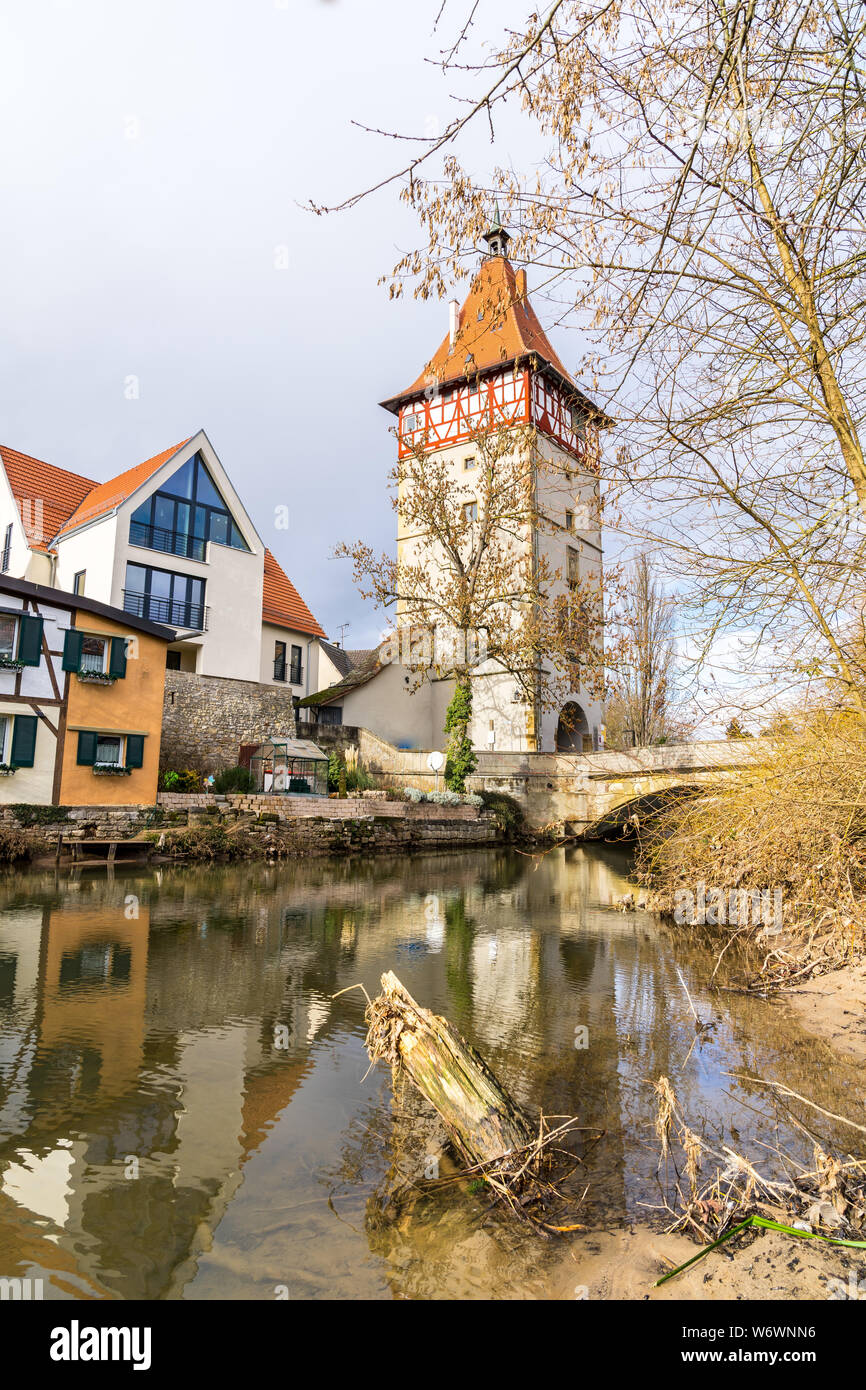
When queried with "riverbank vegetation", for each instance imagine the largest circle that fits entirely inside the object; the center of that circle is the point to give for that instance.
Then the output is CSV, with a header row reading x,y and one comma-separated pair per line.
x,y
789,830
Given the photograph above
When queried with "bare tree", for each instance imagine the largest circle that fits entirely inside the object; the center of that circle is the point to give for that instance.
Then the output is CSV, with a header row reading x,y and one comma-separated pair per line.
x,y
469,588
640,707
702,207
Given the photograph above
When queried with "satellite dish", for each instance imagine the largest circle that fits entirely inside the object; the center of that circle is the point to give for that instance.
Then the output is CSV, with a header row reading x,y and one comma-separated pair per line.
x,y
436,761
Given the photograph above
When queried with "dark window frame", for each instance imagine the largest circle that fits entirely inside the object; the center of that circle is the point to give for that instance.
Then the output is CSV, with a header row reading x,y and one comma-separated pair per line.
x,y
194,538
147,597
280,661
296,666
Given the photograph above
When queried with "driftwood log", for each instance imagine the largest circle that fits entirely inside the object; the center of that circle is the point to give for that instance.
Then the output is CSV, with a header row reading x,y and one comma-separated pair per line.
x,y
485,1124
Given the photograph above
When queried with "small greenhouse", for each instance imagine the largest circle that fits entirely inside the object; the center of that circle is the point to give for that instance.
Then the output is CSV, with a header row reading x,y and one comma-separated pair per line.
x,y
283,766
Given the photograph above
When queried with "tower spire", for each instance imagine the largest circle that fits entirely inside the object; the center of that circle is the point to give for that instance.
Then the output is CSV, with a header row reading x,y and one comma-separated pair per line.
x,y
496,236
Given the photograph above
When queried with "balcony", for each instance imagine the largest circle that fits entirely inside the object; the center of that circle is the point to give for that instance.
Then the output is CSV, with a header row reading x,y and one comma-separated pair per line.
x,y
293,670
169,542
172,612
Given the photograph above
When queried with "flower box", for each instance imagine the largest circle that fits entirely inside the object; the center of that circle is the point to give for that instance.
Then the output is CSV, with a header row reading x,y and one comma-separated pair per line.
x,y
11,663
6,770
96,677
110,770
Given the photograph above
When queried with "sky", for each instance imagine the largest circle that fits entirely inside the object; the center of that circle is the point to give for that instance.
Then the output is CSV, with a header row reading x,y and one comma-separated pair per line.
x,y
159,272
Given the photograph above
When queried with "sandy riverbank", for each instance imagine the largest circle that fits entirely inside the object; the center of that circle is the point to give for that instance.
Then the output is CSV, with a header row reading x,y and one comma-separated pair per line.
x,y
833,1007
626,1264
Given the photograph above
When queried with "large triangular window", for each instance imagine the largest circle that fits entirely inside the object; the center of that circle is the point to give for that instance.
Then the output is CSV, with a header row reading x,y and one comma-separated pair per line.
x,y
185,514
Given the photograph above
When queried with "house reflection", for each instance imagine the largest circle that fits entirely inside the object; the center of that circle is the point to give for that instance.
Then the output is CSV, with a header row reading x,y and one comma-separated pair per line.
x,y
175,1084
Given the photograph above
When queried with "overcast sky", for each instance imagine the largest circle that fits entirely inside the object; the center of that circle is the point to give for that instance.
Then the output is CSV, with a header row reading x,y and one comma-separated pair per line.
x,y
155,157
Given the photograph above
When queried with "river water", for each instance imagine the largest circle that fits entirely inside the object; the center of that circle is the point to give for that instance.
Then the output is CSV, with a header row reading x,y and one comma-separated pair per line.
x,y
187,1112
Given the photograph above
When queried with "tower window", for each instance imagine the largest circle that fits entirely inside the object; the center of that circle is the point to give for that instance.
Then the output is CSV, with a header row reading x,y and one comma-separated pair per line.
x,y
569,521
470,511
468,463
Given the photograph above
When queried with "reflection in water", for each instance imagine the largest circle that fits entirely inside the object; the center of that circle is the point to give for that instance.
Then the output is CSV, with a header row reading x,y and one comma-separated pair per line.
x,y
185,1110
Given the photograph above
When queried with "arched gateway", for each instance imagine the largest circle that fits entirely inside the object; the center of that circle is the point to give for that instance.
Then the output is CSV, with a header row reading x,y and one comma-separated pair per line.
x,y
572,732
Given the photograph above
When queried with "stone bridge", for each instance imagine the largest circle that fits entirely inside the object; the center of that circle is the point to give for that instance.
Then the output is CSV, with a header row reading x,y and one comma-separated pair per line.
x,y
586,793
592,794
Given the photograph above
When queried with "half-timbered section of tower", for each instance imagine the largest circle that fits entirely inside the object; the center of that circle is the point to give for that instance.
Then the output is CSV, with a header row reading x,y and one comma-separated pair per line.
x,y
496,368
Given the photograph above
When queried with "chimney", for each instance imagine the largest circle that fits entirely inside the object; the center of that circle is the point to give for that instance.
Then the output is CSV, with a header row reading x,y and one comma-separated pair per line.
x,y
453,321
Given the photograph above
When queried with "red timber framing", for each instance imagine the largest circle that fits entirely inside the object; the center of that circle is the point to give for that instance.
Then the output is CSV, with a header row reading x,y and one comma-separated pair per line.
x,y
513,397
456,413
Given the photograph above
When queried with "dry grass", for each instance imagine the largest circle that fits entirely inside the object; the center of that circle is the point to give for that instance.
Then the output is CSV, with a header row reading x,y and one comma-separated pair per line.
x,y
827,1199
795,821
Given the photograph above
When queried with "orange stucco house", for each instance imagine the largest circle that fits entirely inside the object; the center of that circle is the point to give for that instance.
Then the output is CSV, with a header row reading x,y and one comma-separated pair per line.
x,y
81,697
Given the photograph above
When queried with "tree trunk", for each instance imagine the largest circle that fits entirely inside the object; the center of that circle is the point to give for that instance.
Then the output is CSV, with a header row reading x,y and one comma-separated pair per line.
x,y
484,1123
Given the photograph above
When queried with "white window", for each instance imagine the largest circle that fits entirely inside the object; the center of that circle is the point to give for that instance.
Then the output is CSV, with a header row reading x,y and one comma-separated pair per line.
x,y
94,654
468,463
8,634
109,749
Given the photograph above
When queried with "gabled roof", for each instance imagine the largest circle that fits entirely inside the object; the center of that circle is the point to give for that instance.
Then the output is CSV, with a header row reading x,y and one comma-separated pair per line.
x,y
344,659
359,675
104,497
32,480
282,604
497,326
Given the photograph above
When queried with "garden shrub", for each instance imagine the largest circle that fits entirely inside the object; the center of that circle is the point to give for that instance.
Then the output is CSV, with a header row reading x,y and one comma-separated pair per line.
x,y
172,780
233,779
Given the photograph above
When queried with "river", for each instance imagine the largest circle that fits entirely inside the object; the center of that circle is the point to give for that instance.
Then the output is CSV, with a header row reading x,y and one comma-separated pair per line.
x,y
187,1112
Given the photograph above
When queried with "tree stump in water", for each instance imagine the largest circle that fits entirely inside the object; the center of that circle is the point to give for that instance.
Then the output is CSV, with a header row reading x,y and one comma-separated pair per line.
x,y
486,1126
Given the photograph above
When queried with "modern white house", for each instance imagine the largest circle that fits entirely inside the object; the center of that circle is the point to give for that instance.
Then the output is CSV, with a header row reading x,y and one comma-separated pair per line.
x,y
170,541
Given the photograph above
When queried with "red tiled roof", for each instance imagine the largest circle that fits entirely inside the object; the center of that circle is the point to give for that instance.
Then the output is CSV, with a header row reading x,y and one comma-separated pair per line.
x,y
497,323
282,604
37,484
104,497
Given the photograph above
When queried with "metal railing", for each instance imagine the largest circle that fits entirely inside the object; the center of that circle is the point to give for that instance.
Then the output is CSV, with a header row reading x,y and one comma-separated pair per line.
x,y
283,669
172,612
169,542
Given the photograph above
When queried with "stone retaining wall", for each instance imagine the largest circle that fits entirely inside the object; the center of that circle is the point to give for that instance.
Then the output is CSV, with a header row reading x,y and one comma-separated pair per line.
x,y
80,823
304,807
317,826
207,718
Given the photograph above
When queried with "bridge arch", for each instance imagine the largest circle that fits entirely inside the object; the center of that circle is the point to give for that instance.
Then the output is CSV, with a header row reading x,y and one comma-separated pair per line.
x,y
625,820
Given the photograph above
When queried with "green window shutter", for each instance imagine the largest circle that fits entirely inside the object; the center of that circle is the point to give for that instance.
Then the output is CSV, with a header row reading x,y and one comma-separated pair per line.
x,y
29,640
72,644
86,748
117,657
23,740
134,750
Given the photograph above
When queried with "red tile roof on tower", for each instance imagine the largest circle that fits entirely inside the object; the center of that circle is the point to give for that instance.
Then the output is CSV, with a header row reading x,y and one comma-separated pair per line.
x,y
497,325
34,482
282,604
104,497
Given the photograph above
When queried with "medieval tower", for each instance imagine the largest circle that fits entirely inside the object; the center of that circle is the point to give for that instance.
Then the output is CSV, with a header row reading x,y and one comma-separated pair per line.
x,y
497,369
